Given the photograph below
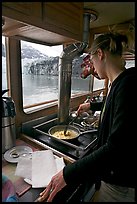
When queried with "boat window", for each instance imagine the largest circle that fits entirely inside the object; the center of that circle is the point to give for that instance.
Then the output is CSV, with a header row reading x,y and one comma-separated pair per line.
x,y
80,85
130,63
98,84
4,67
40,75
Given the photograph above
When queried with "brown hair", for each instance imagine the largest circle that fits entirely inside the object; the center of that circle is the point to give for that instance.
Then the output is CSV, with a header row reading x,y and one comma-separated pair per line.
x,y
114,43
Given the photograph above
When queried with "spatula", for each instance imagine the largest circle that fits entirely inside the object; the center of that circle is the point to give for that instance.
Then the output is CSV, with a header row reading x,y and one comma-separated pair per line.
x,y
74,115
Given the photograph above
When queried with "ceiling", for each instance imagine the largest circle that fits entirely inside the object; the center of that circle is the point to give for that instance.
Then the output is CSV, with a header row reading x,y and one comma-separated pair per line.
x,y
114,16
109,13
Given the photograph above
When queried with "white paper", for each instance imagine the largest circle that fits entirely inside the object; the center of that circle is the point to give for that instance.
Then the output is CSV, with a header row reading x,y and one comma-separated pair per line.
x,y
59,163
24,167
39,168
44,167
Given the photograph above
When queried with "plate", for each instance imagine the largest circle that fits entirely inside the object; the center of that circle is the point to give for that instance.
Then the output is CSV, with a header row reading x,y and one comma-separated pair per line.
x,y
12,155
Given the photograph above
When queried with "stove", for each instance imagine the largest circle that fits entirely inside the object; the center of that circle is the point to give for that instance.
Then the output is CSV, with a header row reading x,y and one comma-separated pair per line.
x,y
76,148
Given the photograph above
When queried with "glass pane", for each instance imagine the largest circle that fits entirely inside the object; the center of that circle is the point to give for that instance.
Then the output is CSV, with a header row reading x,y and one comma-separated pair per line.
x,y
39,72
98,84
130,63
79,85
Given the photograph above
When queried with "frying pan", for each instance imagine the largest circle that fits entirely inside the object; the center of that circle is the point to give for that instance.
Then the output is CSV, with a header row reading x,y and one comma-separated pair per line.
x,y
57,128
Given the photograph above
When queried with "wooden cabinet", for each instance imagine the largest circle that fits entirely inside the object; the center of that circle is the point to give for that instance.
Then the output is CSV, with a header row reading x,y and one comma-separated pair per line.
x,y
28,12
47,22
31,9
64,17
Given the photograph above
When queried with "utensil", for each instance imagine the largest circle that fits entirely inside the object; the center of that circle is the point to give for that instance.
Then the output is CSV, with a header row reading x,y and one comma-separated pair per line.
x,y
74,116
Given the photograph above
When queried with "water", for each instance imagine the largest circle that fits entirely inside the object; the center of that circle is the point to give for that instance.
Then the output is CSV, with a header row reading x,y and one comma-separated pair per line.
x,y
39,88
42,88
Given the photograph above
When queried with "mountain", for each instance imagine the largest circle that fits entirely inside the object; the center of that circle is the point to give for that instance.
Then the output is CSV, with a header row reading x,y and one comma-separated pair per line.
x,y
37,63
31,53
27,52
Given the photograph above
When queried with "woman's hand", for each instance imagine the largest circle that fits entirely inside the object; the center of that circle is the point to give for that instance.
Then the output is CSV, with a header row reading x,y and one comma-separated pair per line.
x,y
56,184
84,107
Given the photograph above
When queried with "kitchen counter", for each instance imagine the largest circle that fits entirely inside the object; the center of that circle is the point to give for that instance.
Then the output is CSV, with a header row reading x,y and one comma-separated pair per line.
x,y
24,191
28,194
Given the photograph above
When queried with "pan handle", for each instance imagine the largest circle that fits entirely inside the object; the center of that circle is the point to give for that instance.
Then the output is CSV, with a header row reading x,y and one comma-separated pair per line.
x,y
88,131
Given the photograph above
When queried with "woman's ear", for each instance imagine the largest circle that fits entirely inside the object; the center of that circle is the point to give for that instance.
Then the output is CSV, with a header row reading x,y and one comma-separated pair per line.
x,y
100,54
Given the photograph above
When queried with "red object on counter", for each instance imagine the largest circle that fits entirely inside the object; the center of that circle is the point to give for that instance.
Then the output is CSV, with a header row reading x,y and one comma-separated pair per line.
x,y
88,68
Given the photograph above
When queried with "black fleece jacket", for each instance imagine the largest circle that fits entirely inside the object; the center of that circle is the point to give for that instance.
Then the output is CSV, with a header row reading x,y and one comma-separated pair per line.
x,y
114,160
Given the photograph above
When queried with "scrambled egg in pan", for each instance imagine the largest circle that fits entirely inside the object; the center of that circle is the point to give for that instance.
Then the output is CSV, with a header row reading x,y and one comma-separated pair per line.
x,y
70,134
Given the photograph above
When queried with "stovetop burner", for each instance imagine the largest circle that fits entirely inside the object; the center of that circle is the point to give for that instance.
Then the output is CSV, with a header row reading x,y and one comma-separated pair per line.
x,y
76,148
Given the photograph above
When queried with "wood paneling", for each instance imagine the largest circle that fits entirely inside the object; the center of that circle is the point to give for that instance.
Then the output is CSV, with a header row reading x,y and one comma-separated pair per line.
x,y
50,23
66,17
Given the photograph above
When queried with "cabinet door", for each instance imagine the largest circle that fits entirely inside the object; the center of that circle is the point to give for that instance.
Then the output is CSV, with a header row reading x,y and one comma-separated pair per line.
x,y
49,22
27,12
65,18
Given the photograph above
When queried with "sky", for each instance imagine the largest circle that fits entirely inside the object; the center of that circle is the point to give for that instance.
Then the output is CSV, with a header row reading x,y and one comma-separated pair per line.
x,y
52,51
48,50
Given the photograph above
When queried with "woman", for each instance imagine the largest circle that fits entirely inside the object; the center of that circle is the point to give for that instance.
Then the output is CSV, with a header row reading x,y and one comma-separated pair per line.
x,y
112,163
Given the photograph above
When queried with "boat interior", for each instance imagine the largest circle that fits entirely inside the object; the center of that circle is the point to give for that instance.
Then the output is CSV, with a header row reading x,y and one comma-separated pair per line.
x,y
74,26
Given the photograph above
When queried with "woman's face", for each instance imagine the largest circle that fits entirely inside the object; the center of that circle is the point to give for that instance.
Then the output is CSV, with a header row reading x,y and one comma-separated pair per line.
x,y
98,60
